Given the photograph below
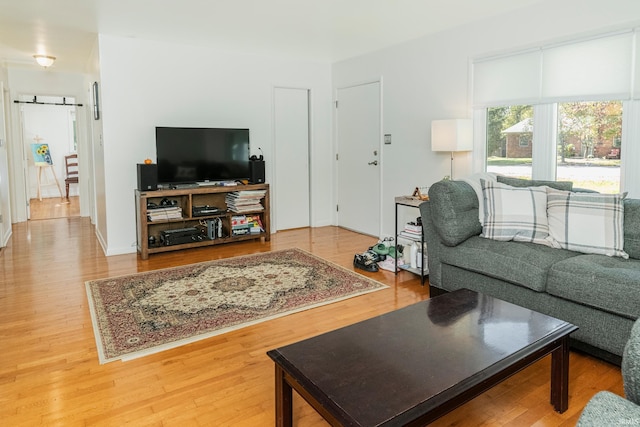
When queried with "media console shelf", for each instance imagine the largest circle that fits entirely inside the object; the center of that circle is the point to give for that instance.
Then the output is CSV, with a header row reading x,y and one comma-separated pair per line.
x,y
150,232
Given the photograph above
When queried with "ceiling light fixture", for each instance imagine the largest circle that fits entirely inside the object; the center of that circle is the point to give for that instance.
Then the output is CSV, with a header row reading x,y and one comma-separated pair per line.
x,y
44,60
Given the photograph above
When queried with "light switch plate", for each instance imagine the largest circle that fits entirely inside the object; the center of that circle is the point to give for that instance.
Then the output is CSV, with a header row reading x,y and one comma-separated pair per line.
x,y
387,138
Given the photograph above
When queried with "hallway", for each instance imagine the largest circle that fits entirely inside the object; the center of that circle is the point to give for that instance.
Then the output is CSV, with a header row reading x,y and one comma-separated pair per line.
x,y
54,207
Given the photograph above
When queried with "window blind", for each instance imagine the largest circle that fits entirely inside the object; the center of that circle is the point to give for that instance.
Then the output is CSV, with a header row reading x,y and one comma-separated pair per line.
x,y
513,79
599,68
595,69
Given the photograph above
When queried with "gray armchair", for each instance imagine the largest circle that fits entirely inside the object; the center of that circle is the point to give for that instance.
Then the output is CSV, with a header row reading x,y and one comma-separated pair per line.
x,y
608,409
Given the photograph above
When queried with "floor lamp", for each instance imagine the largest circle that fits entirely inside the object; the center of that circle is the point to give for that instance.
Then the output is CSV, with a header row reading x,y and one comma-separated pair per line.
x,y
451,135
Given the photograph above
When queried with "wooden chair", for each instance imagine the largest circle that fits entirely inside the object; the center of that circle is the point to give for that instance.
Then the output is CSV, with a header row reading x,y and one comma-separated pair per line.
x,y
71,166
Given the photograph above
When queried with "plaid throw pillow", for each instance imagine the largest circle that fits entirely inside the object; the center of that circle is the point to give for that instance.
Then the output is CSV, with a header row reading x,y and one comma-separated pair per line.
x,y
590,223
512,213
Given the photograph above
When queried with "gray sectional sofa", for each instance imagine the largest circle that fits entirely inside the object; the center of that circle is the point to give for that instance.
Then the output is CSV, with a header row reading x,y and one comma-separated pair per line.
x,y
598,293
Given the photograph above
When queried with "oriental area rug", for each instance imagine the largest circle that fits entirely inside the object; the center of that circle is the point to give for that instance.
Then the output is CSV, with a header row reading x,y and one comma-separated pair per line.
x,y
145,313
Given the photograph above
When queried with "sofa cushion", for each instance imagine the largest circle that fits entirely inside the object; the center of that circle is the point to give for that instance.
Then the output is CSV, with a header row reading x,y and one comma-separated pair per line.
x,y
524,264
632,227
518,182
586,222
518,214
606,283
454,211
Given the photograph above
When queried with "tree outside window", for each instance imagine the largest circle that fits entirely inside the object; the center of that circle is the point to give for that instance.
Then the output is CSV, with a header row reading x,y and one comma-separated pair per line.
x,y
589,135
588,145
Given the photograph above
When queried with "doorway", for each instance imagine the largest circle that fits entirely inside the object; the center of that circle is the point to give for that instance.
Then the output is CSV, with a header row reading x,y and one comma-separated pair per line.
x,y
48,135
359,133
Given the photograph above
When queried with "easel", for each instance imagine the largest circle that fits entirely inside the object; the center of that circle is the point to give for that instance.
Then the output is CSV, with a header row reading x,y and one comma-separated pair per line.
x,y
40,165
53,172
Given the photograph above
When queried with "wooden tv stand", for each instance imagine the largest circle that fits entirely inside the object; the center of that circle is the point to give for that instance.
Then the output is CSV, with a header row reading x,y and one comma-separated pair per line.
x,y
186,199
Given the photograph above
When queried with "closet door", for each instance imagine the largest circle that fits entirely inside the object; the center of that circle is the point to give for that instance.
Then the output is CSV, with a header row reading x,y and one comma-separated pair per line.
x,y
291,189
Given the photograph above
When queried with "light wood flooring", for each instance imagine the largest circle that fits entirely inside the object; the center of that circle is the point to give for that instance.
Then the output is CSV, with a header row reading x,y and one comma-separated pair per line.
x,y
50,375
54,207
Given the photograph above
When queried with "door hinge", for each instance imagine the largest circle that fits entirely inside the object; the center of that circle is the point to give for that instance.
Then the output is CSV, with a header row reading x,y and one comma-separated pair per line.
x,y
336,104
337,208
0,218
336,156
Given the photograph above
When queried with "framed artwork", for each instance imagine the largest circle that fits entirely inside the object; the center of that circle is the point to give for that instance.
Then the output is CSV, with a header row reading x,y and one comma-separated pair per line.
x,y
41,154
96,103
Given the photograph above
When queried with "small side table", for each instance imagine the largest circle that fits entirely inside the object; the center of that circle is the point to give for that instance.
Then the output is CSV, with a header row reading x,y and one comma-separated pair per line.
x,y
423,270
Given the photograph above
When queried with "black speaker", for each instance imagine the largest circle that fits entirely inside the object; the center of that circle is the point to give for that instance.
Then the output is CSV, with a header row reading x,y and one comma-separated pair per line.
x,y
256,171
147,177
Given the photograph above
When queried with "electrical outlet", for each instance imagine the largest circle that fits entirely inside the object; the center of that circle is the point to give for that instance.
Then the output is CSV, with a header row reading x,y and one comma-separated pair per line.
x,y
387,138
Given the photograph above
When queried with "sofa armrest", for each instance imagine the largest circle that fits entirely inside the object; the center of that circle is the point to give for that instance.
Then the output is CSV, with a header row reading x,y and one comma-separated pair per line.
x,y
454,211
631,365
608,409
432,240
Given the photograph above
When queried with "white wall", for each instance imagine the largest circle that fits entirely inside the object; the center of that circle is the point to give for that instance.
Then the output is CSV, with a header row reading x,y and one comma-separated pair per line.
x,y
145,84
5,208
428,79
95,150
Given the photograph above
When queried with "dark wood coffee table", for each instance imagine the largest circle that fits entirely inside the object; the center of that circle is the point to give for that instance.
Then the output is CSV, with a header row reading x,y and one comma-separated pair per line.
x,y
413,365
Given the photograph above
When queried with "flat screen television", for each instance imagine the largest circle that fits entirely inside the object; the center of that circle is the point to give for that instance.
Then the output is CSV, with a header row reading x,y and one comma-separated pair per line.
x,y
191,155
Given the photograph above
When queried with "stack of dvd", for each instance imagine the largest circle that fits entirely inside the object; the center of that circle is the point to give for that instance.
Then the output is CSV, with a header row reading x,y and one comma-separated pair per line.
x,y
239,225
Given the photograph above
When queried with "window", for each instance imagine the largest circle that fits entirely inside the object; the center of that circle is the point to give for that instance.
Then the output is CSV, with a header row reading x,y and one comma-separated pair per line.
x,y
589,135
509,136
583,73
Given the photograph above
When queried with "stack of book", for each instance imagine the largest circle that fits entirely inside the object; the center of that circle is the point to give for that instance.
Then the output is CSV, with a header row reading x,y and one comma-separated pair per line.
x,y
412,231
164,213
245,201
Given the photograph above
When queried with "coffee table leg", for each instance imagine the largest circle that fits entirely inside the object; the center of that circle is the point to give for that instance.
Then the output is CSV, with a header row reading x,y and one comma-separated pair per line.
x,y
284,400
560,376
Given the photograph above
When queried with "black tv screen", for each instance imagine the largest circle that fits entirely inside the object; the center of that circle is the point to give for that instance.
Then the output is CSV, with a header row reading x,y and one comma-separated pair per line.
x,y
187,155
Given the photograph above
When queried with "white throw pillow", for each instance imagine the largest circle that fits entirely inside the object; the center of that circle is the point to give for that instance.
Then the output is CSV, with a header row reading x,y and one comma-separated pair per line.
x,y
474,182
590,223
515,213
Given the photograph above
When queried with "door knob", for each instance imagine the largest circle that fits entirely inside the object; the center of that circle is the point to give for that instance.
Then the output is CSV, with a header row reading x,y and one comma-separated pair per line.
x,y
374,163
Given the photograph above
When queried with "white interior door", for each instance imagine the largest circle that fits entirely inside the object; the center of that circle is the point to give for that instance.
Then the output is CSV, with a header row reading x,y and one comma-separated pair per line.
x,y
291,139
359,133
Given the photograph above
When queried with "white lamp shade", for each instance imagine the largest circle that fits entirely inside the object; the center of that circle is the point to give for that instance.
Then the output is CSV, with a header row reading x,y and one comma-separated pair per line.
x,y
452,135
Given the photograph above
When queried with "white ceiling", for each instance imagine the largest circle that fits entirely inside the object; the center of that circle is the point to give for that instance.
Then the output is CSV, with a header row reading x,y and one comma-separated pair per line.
x,y
322,30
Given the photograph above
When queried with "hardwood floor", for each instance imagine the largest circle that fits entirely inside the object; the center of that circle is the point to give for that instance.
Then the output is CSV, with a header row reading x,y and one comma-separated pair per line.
x,y
50,375
54,207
